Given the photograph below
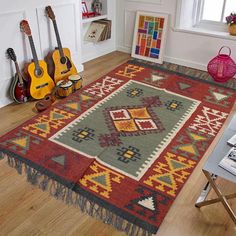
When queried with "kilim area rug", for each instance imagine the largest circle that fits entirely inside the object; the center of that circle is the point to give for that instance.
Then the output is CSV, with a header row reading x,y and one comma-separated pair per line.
x,y
122,148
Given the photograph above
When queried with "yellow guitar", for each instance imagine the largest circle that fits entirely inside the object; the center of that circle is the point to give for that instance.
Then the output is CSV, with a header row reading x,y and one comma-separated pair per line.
x,y
40,83
63,66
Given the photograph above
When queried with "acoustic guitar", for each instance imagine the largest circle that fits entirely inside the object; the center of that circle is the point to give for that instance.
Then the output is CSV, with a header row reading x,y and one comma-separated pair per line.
x,y
40,83
18,88
61,57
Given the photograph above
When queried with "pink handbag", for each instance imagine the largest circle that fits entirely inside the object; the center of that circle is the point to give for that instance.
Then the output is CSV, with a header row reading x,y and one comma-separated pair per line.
x,y
222,67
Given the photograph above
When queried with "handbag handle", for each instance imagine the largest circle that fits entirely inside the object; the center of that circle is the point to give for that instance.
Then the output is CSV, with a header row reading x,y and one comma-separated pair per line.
x,y
224,47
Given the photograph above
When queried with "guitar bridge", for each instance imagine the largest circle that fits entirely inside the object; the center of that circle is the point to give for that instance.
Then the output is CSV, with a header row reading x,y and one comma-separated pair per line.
x,y
41,86
65,71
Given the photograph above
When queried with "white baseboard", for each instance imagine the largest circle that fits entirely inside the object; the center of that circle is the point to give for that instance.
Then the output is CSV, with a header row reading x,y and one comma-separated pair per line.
x,y
182,62
177,61
5,101
93,55
124,49
80,67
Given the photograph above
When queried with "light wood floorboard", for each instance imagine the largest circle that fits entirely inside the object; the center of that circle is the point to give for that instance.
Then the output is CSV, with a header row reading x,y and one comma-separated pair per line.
x,y
26,210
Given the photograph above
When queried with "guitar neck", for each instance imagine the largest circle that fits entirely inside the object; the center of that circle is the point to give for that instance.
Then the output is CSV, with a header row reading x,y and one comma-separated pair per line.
x,y
34,54
18,72
58,38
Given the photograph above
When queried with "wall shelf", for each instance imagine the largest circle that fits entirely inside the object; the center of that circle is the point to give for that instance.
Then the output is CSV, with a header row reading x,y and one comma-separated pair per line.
x,y
91,50
90,19
99,14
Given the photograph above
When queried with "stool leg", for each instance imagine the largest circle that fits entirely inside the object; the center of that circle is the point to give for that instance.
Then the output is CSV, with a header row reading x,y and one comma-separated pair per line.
x,y
203,195
201,201
221,196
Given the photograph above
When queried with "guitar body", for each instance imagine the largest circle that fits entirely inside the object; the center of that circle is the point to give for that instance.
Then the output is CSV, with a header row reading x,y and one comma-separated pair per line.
x,y
42,84
18,90
63,66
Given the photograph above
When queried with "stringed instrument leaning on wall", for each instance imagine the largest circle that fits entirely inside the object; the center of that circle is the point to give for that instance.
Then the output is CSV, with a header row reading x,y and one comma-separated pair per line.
x,y
40,82
18,88
61,57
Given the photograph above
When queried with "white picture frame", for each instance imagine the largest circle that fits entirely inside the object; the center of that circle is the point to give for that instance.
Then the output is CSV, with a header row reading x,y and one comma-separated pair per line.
x,y
149,37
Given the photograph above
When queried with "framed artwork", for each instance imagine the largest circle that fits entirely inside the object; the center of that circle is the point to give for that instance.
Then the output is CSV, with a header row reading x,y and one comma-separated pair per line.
x,y
149,36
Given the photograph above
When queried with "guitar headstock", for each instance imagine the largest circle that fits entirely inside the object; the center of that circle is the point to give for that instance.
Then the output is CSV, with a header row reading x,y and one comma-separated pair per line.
x,y
11,54
50,12
24,25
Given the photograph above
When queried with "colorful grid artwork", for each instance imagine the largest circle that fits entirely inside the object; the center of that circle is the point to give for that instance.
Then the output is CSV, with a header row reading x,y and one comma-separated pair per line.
x,y
149,37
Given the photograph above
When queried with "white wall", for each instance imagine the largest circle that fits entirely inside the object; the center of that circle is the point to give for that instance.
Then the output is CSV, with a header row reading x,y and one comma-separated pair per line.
x,y
182,47
12,12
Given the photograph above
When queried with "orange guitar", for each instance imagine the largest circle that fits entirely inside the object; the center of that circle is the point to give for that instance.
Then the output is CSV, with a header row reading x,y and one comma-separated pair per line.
x,y
63,65
40,83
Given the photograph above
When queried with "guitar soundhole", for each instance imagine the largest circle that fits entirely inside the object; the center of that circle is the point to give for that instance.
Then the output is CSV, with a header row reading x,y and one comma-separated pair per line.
x,y
38,72
63,60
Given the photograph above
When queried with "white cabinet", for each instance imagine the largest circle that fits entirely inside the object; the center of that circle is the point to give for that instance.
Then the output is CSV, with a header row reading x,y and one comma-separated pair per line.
x,y
93,50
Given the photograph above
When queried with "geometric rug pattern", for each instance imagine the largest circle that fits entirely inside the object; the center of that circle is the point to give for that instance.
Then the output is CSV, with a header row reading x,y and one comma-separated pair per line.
x,y
125,145
117,126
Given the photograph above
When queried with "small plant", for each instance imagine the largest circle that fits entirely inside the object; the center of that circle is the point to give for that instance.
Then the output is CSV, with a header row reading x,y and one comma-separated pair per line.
x,y
231,19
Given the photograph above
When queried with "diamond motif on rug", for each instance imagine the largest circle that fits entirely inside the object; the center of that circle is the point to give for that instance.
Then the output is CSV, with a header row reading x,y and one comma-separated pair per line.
x,y
128,154
115,128
81,135
134,92
134,120
106,140
121,114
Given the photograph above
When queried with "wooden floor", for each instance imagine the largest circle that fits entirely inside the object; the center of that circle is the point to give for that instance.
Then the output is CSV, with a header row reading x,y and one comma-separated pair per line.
x,y
28,211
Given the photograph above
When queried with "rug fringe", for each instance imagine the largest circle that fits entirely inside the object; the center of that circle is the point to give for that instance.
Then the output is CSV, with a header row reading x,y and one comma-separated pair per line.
x,y
61,192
